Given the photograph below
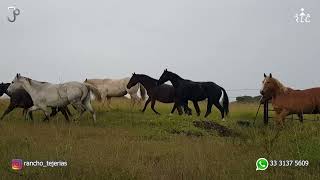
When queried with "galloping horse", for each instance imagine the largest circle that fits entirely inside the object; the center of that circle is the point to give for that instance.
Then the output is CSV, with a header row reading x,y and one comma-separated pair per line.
x,y
46,95
286,101
196,91
21,99
109,88
164,93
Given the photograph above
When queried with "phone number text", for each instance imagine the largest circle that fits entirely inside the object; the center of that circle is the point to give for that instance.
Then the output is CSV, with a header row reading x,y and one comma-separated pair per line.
x,y
287,163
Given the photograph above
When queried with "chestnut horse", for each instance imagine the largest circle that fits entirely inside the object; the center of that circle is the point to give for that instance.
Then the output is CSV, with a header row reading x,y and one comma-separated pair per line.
x,y
286,101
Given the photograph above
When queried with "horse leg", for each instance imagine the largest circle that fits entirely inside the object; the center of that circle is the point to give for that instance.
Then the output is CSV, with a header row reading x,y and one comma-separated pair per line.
x,y
300,115
187,110
31,116
174,108
8,110
196,106
153,102
79,108
68,111
221,109
46,113
74,107
146,104
88,106
109,103
209,107
104,101
53,112
24,111
132,102
282,116
179,109
29,111
177,105
136,100
139,101
43,108
64,112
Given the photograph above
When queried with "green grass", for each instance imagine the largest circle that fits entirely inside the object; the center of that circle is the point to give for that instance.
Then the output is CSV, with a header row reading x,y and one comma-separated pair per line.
x,y
126,144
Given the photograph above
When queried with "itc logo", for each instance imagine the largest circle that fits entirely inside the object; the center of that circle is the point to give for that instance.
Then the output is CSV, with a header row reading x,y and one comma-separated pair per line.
x,y
303,17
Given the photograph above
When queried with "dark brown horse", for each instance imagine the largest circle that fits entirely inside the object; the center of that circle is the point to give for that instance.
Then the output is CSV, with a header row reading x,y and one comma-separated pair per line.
x,y
164,93
21,99
186,90
286,101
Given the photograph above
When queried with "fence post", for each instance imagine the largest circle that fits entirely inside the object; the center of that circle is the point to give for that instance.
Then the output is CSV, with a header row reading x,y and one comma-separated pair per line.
x,y
266,112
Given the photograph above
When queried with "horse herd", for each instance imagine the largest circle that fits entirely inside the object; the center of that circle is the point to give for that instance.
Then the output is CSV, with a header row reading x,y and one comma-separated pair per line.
x,y
34,95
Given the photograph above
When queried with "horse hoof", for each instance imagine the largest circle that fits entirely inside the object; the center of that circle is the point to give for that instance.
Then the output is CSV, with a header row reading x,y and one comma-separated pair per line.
x,y
223,119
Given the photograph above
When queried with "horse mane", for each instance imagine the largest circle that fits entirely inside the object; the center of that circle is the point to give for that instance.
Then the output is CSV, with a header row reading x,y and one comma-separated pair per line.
x,y
280,85
176,75
146,76
32,80
29,80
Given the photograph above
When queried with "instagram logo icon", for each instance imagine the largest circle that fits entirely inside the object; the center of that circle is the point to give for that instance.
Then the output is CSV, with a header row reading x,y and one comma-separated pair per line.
x,y
16,164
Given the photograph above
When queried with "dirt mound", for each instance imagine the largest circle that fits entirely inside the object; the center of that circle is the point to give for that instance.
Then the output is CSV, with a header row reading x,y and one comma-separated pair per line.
x,y
210,125
243,123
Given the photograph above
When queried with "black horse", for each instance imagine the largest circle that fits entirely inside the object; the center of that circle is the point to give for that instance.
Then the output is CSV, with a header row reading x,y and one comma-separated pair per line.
x,y
163,93
22,99
196,91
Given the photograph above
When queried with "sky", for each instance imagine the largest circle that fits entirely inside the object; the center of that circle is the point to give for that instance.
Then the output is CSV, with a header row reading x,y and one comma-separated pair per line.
x,y
229,42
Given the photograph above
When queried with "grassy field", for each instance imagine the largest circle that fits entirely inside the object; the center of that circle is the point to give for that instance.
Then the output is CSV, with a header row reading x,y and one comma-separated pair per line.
x,y
126,144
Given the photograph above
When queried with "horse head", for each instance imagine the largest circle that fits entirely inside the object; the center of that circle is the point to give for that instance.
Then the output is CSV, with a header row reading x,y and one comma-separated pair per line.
x,y
270,88
166,76
133,80
3,88
17,83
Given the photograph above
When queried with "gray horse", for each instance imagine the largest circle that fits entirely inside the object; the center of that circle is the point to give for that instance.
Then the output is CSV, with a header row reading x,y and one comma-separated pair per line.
x,y
46,95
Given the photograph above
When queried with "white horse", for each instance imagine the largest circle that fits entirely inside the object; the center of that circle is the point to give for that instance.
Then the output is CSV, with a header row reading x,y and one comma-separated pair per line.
x,y
46,95
109,88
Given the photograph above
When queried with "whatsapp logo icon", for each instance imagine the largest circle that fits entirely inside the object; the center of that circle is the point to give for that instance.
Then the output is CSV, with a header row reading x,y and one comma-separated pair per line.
x,y
262,164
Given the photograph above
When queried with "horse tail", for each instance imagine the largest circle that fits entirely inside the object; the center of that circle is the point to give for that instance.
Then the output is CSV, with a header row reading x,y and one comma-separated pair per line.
x,y
225,101
143,92
94,90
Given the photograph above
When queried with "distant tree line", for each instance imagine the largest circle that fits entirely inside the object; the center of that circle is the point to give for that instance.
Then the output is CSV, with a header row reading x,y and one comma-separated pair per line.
x,y
248,99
